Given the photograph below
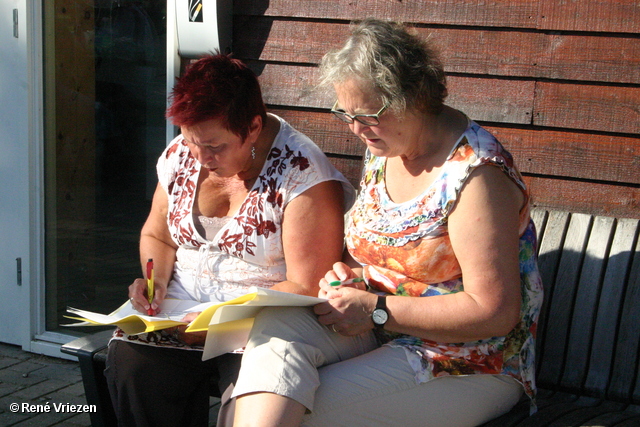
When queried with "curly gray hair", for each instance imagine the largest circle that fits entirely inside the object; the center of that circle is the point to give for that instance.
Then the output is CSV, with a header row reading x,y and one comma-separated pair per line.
x,y
391,60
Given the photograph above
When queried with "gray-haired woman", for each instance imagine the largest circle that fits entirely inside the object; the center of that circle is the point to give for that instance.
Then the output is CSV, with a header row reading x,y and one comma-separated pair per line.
x,y
441,235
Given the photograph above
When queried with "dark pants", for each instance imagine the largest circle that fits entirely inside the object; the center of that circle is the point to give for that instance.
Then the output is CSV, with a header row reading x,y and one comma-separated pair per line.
x,y
155,386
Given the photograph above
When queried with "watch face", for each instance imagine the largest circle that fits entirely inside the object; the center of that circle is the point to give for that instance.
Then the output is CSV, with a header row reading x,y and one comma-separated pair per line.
x,y
379,316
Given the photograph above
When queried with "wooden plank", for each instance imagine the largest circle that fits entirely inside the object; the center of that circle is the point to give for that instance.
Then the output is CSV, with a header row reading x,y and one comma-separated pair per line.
x,y
539,217
487,52
291,86
350,168
598,198
627,352
497,13
587,197
569,154
585,309
562,300
633,421
492,100
590,58
621,16
331,135
609,311
560,405
582,413
495,100
273,39
550,243
592,107
575,196
536,151
610,419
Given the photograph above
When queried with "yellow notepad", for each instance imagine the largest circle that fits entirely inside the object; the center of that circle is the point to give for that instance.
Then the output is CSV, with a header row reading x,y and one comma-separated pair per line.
x,y
227,323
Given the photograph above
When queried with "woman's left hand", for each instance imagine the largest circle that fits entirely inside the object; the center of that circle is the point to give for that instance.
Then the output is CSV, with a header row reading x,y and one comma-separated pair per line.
x,y
348,310
189,338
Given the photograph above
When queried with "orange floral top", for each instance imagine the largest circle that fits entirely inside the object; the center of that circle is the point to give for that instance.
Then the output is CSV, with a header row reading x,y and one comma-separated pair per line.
x,y
405,250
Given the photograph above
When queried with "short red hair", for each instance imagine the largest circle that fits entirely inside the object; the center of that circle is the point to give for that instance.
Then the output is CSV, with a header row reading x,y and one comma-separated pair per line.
x,y
217,87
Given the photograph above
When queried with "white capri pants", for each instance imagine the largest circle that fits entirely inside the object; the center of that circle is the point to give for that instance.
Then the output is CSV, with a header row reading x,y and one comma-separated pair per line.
x,y
350,381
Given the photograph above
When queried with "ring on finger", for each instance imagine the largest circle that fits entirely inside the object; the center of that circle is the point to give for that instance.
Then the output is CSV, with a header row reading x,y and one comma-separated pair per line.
x,y
333,328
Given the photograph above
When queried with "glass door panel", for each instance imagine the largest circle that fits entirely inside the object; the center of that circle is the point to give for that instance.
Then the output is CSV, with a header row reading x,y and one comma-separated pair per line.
x,y
105,96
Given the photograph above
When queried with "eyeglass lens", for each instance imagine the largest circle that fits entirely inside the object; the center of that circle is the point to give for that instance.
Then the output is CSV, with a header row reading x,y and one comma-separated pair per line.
x,y
365,120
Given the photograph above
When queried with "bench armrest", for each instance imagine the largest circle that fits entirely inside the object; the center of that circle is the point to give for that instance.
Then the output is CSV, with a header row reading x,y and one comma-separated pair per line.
x,y
91,351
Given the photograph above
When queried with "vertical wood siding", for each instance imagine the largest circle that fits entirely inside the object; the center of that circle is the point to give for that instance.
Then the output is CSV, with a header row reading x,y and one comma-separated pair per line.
x,y
557,81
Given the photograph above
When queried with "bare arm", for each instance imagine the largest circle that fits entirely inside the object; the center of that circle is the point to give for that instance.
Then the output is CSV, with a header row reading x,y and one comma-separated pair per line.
x,y
155,243
484,235
312,235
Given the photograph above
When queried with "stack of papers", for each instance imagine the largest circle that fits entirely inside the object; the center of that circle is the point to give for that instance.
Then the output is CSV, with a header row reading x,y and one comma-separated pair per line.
x,y
227,323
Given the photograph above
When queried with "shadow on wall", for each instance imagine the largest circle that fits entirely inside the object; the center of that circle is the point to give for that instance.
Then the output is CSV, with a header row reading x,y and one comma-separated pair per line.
x,y
251,51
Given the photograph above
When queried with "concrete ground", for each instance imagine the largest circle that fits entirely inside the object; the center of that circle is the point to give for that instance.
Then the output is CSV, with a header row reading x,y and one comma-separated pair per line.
x,y
42,391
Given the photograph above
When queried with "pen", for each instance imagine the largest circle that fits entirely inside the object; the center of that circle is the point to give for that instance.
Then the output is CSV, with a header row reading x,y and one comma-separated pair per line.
x,y
150,285
347,282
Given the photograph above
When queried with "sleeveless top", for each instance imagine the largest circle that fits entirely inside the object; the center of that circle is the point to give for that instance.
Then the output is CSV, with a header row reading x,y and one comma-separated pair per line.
x,y
247,247
405,250
247,250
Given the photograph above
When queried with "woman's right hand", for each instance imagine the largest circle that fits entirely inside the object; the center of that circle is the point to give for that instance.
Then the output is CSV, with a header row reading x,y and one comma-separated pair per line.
x,y
156,244
139,299
340,272
348,306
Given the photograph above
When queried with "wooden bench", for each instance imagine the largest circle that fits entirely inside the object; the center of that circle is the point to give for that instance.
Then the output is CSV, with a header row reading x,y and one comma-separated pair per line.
x,y
588,339
589,331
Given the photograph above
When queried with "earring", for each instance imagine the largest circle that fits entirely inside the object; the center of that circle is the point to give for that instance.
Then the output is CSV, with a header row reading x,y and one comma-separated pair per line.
x,y
253,153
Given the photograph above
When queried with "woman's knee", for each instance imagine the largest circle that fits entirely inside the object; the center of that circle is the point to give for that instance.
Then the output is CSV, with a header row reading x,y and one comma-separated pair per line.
x,y
286,323
127,358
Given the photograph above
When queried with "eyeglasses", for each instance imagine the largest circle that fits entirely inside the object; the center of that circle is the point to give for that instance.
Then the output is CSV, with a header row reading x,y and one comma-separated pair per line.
x,y
365,119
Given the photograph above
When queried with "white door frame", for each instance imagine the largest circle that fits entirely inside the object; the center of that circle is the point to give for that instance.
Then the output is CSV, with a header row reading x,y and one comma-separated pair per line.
x,y
22,230
15,167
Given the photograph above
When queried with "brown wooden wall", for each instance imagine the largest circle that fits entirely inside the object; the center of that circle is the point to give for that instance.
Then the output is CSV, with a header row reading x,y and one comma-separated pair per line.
x,y
558,81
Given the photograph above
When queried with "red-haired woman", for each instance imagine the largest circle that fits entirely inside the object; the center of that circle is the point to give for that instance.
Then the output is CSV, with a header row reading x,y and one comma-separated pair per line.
x,y
240,198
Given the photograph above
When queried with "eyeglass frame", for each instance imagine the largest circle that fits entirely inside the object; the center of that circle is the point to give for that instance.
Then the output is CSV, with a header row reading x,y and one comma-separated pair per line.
x,y
342,115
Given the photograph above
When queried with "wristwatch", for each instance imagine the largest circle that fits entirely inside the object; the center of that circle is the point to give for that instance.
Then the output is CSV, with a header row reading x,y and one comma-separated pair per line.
x,y
380,315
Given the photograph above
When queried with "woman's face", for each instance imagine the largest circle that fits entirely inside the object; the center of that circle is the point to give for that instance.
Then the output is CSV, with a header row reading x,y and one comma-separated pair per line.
x,y
218,149
392,137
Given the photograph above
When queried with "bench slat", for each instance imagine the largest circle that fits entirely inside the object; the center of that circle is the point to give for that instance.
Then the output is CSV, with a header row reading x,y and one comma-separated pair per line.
x,y
539,217
586,304
561,299
606,336
550,239
611,419
630,316
630,422
558,409
551,405
627,359
580,415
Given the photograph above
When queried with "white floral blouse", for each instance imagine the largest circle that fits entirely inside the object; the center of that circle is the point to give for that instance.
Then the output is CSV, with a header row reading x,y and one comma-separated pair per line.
x,y
247,251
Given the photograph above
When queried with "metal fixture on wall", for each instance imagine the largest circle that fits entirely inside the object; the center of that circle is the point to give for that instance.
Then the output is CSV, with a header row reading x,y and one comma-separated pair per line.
x,y
195,28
